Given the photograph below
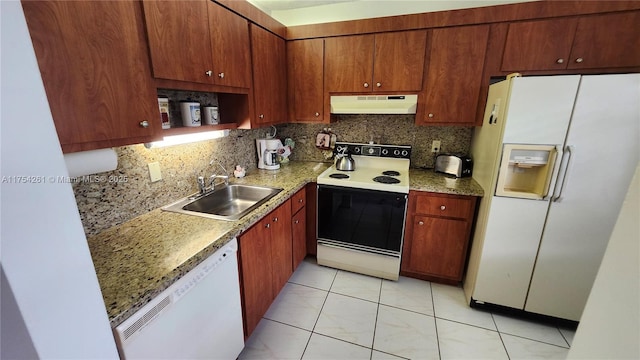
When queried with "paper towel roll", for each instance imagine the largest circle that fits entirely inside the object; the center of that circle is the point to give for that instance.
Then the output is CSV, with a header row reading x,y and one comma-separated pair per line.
x,y
91,162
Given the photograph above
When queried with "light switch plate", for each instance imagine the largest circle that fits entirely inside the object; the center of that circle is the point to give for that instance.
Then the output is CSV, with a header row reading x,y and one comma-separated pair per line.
x,y
154,171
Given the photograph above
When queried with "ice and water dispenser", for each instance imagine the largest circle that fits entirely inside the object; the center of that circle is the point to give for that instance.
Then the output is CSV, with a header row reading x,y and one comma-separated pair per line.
x,y
525,171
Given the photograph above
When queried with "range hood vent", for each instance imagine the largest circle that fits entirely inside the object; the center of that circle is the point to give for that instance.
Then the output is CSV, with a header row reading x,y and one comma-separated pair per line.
x,y
374,104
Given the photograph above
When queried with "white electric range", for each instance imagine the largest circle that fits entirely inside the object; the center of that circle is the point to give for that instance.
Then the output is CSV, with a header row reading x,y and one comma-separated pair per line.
x,y
361,213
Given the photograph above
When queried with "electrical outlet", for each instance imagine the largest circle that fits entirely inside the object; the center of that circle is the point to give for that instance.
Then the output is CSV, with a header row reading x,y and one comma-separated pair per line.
x,y
154,171
435,146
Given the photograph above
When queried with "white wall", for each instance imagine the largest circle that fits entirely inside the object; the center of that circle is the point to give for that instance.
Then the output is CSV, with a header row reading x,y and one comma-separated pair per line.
x,y
610,325
45,257
364,9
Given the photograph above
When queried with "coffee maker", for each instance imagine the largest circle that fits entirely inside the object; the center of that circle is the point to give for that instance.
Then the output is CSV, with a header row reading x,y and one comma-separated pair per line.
x,y
268,153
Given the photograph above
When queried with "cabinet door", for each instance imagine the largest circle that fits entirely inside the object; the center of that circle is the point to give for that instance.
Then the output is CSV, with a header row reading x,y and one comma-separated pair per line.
x,y
605,41
281,248
269,77
179,44
299,235
230,47
399,61
538,45
348,63
306,79
95,71
255,260
454,76
437,246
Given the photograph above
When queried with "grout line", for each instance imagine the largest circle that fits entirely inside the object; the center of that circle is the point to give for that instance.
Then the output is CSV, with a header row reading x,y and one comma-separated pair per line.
x,y
565,339
375,323
538,341
435,322
500,335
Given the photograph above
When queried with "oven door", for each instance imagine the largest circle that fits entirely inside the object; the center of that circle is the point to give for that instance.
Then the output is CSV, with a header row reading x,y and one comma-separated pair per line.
x,y
360,219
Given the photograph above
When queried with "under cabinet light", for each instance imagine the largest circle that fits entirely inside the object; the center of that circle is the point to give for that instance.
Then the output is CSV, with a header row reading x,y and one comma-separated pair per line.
x,y
187,138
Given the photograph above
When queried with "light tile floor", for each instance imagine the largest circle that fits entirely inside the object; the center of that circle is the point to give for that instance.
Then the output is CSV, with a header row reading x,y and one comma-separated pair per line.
x,y
324,313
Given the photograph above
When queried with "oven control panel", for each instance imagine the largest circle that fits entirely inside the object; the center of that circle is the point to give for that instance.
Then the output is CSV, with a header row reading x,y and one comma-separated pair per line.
x,y
378,150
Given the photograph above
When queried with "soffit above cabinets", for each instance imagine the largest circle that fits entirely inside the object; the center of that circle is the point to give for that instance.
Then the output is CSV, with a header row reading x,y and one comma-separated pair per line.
x,y
303,12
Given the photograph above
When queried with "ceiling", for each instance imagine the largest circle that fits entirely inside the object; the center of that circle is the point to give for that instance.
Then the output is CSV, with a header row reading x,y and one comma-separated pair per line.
x,y
303,12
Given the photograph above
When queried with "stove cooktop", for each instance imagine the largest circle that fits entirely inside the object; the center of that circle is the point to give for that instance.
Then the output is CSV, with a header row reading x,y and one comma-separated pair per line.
x,y
378,167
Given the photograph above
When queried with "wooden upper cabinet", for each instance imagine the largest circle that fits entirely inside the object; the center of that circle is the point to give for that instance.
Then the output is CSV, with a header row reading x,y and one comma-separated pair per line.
x,y
348,63
588,42
535,45
454,76
94,64
306,80
178,33
399,61
268,56
383,62
198,41
611,40
230,47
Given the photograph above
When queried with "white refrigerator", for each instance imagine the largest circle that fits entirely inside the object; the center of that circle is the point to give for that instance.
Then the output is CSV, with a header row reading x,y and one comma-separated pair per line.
x,y
540,253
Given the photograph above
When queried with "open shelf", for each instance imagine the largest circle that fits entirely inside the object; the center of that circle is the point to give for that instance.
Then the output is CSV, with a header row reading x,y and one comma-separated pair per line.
x,y
197,129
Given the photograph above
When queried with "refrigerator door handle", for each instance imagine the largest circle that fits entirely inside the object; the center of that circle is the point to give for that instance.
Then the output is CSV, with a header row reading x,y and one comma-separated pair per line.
x,y
557,191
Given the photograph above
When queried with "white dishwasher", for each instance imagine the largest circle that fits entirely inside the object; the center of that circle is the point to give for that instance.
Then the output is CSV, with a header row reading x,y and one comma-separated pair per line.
x,y
197,317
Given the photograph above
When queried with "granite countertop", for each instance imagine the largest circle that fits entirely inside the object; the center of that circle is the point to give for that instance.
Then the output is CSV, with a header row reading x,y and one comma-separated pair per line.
x,y
137,260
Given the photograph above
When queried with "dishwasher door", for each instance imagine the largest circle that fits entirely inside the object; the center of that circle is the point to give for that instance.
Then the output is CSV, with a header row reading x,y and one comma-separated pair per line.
x,y
197,317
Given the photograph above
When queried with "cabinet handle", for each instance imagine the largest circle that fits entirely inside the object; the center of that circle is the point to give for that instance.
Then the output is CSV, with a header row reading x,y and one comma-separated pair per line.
x,y
366,85
430,115
261,116
317,114
421,223
221,75
579,60
208,73
275,219
267,225
144,124
559,61
297,221
442,207
378,84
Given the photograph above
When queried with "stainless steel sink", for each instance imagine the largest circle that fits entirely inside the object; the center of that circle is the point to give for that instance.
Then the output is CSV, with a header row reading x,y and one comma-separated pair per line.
x,y
229,202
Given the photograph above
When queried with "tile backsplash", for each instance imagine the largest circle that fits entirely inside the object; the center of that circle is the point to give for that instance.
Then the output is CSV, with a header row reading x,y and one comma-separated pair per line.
x,y
103,205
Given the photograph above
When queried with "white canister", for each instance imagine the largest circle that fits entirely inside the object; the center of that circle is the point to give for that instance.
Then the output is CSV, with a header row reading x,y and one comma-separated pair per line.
x,y
211,115
190,113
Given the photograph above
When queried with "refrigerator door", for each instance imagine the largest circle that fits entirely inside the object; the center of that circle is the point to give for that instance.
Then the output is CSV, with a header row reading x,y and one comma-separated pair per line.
x,y
540,108
604,137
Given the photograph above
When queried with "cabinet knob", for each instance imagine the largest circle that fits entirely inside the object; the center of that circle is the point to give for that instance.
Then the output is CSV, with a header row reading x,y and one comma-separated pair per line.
x,y
261,116
559,61
442,207
208,73
267,225
275,219
297,221
317,114
221,75
579,60
144,124
378,84
430,115
421,223
300,201
366,85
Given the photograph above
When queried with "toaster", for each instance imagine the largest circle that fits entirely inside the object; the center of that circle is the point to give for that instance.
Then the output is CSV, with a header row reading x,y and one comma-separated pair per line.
x,y
458,166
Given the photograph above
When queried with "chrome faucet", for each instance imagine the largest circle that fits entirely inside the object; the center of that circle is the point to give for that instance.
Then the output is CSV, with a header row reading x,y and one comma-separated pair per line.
x,y
212,179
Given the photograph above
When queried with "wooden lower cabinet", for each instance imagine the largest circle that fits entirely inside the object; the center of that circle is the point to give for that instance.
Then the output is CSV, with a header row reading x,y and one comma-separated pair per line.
x,y
265,263
437,236
299,234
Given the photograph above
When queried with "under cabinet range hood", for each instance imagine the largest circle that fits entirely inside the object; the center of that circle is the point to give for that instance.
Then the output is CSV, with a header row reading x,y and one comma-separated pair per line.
x,y
374,104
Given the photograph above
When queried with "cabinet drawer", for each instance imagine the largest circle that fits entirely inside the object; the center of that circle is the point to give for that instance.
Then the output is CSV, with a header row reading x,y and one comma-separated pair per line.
x,y
298,200
444,206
